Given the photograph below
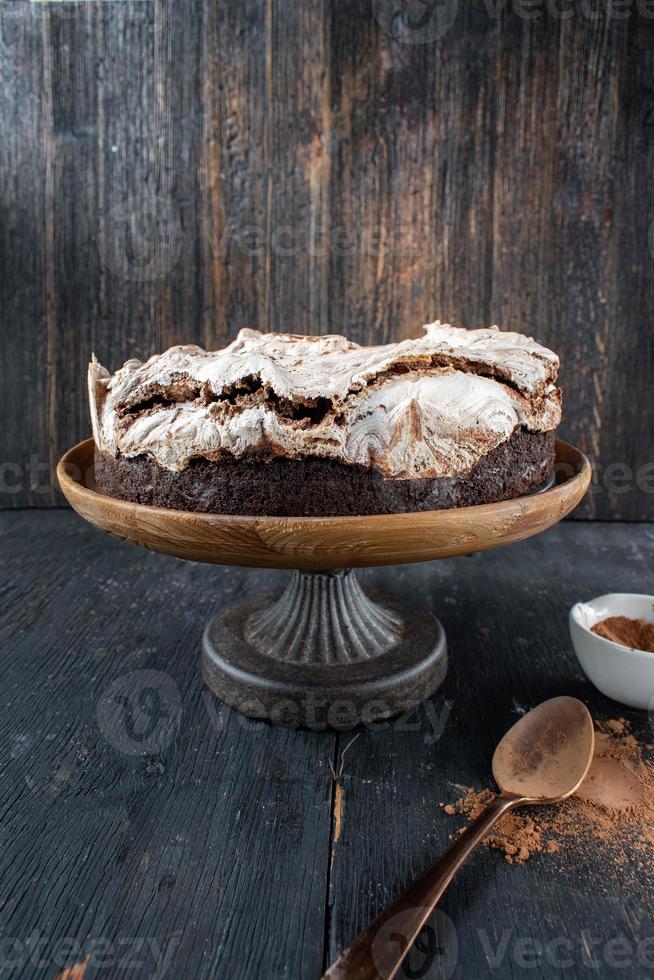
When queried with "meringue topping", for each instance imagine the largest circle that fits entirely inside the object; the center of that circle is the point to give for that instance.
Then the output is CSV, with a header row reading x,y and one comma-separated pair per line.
x,y
426,407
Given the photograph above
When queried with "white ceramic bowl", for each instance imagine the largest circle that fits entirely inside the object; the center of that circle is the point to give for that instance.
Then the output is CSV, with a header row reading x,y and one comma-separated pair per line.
x,y
619,672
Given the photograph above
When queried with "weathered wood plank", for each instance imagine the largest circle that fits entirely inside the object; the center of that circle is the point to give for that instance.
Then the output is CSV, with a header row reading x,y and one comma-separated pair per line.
x,y
236,167
557,181
25,424
219,848
172,172
505,615
412,191
211,851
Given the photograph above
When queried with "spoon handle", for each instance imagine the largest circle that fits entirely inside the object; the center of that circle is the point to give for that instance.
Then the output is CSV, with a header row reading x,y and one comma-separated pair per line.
x,y
378,951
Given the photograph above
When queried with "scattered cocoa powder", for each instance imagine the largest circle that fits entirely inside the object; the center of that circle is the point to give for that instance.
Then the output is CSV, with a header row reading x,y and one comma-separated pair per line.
x,y
634,633
517,835
613,809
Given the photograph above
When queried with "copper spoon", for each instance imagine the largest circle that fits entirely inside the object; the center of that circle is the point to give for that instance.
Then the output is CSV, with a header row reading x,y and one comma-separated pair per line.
x,y
542,759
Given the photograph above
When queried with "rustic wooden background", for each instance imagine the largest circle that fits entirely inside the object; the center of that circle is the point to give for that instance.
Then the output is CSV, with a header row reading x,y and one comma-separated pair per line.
x,y
170,172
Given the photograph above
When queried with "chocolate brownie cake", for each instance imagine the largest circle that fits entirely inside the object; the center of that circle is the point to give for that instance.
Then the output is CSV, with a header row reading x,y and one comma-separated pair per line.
x,y
286,425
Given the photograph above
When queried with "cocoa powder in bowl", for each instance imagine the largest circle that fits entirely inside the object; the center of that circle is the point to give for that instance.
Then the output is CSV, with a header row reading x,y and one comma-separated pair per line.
x,y
634,633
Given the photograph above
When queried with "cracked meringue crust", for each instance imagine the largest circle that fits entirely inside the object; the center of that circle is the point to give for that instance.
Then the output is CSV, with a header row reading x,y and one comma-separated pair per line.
x,y
431,408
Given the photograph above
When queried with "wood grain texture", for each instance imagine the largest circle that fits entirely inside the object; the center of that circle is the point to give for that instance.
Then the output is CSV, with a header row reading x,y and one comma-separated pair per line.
x,y
156,840
173,172
324,542
230,848
505,616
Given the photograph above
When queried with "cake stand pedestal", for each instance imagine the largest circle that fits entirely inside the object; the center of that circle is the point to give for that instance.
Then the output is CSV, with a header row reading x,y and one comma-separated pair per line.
x,y
324,651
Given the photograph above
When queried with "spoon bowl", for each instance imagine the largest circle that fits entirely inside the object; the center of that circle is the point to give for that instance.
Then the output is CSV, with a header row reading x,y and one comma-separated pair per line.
x,y
547,753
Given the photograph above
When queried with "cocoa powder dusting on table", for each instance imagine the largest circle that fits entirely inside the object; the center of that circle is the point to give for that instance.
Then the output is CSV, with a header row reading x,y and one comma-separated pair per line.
x,y
634,633
612,810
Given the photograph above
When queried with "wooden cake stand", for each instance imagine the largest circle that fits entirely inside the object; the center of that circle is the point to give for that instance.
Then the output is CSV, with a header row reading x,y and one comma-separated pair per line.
x,y
324,651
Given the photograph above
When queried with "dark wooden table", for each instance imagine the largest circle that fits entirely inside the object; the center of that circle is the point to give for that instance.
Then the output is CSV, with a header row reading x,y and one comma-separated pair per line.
x,y
163,835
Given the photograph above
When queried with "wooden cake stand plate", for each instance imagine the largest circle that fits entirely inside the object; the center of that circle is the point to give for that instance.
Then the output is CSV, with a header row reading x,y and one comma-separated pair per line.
x,y
324,651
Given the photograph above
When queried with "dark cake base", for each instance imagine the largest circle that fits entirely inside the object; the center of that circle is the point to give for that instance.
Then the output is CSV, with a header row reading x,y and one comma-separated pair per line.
x,y
280,487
